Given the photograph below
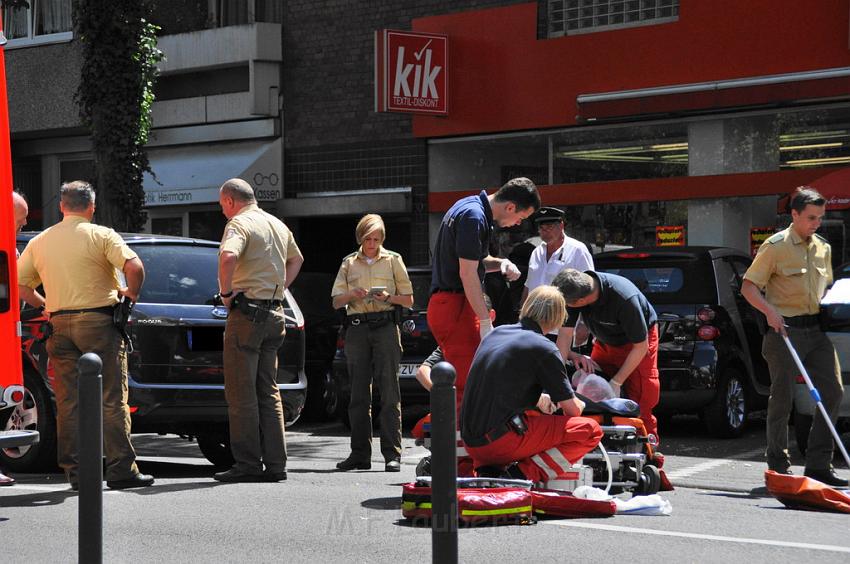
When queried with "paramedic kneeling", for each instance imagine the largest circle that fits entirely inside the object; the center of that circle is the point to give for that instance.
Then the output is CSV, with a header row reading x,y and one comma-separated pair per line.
x,y
512,367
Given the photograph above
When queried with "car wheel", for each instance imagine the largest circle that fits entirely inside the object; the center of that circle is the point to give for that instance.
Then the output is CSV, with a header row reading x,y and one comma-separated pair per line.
x,y
35,413
649,481
726,415
802,426
216,448
293,405
330,396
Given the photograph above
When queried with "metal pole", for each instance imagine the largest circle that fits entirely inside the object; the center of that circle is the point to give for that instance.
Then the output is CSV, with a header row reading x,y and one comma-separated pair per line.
x,y
443,465
90,437
816,396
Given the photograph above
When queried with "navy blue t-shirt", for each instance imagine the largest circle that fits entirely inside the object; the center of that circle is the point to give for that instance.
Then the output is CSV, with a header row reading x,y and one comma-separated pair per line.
x,y
512,367
464,233
620,316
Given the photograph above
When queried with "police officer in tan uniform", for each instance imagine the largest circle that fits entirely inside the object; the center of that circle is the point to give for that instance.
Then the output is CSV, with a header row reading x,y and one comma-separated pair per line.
x,y
77,262
258,260
794,269
369,284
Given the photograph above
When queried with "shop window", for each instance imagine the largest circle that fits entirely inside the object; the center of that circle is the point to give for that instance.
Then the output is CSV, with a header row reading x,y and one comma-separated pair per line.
x,y
238,12
568,17
207,225
167,226
43,21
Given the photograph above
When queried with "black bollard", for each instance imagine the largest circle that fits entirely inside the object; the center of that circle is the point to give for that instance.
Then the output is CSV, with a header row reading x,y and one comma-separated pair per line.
x,y
443,465
90,478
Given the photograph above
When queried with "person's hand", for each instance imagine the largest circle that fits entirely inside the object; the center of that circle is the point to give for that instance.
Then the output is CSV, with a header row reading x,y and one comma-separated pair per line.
x,y
776,322
358,293
545,405
125,292
617,387
485,327
510,270
581,334
584,362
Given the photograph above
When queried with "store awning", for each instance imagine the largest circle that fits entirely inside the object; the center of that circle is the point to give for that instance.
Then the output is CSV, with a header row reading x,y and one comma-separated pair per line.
x,y
192,174
834,186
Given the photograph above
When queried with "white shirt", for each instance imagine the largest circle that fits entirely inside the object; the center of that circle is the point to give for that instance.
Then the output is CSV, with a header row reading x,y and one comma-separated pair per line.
x,y
572,254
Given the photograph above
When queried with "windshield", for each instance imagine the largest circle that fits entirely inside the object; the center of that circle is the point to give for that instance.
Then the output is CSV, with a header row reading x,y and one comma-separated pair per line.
x,y
178,274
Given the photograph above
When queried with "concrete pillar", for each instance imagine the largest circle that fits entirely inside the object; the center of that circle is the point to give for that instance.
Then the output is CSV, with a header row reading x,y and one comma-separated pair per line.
x,y
730,146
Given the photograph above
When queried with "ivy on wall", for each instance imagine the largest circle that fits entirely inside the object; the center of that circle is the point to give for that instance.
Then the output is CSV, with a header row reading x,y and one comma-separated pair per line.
x,y
115,96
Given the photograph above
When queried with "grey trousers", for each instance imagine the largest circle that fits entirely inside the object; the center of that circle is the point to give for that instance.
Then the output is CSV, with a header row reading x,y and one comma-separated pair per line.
x,y
254,408
818,356
374,354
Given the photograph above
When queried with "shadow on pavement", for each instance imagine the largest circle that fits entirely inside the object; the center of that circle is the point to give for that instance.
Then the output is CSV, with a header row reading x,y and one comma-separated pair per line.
x,y
37,499
383,503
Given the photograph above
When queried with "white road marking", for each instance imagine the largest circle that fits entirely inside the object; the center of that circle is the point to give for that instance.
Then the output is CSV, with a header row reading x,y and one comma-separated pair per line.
x,y
689,471
765,542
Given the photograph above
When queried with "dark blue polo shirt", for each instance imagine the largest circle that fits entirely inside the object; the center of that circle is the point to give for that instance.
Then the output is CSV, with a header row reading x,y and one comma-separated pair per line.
x,y
620,316
464,233
512,367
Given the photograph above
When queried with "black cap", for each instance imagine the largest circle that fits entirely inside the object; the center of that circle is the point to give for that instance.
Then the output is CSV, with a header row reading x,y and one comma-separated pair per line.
x,y
548,215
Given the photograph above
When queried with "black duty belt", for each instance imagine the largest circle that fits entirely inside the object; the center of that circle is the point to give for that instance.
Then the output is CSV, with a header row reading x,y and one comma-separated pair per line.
x,y
106,310
489,437
358,318
449,290
803,320
268,304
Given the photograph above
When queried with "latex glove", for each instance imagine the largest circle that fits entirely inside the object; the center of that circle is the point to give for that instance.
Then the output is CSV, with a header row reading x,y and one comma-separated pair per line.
x,y
510,270
485,327
545,405
616,387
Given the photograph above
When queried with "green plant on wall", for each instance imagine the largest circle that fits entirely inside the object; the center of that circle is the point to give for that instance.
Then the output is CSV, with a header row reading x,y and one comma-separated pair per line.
x,y
115,96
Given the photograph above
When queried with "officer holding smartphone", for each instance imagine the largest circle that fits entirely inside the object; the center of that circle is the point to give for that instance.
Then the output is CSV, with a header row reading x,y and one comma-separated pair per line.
x,y
370,284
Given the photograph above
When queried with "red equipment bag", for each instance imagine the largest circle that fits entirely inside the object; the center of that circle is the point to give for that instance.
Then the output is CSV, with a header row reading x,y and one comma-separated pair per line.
x,y
555,503
799,492
474,505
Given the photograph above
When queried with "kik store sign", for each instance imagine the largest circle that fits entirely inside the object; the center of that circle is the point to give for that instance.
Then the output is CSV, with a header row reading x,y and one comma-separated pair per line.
x,y
411,72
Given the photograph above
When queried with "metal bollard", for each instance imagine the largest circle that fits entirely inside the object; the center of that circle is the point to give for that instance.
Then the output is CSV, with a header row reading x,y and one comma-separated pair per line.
x,y
90,478
443,465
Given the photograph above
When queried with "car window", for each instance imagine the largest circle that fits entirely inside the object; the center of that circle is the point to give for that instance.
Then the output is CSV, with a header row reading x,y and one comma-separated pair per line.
x,y
653,280
178,274
421,289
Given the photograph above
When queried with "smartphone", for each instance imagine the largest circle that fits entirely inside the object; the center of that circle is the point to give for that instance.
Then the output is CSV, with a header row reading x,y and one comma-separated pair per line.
x,y
377,290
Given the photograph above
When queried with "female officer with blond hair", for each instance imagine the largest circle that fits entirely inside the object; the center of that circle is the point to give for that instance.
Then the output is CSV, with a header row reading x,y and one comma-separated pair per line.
x,y
370,283
513,366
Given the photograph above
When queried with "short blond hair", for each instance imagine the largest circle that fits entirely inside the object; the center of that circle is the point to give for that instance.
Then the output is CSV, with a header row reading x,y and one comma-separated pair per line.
x,y
545,306
367,224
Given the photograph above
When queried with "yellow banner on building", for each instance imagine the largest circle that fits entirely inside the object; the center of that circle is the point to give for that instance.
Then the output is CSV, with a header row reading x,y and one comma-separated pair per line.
x,y
669,235
759,235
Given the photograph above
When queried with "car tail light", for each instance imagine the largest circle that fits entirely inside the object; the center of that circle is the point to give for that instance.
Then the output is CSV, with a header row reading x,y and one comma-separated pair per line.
x,y
134,408
340,342
706,314
17,397
708,332
632,255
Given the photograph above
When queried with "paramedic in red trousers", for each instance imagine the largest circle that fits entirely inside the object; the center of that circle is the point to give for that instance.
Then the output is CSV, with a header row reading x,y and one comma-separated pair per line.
x,y
258,260
512,367
794,269
457,314
626,330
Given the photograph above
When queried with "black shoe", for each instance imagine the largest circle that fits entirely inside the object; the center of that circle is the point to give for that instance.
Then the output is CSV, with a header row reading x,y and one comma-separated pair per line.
x,y
786,472
514,473
827,476
353,464
75,487
138,481
490,471
233,475
393,465
275,476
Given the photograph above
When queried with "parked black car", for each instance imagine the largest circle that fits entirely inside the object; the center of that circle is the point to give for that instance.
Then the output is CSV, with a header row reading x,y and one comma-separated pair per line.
x,y
176,382
709,357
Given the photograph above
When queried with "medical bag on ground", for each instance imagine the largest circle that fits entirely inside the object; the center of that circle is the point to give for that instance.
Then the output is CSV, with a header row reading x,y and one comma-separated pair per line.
x,y
475,505
556,503
799,492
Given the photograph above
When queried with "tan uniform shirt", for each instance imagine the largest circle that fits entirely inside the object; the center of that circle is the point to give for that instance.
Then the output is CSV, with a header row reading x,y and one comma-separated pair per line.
x,y
78,262
793,273
386,270
262,243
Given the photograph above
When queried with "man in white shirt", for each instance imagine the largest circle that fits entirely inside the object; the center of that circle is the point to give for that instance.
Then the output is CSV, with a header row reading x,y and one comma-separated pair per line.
x,y
557,252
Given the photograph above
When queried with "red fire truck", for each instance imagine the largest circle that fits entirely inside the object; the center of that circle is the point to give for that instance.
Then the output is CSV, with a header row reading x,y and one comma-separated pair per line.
x,y
11,375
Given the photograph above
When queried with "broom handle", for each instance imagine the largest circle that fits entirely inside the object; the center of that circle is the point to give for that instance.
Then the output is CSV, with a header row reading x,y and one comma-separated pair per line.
x,y
816,396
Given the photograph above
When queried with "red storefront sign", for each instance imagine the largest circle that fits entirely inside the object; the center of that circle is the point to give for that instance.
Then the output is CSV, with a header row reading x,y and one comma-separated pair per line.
x,y
411,72
670,236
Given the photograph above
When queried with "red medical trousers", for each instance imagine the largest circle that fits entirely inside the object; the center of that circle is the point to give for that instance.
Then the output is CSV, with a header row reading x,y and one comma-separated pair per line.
x,y
548,448
642,385
455,328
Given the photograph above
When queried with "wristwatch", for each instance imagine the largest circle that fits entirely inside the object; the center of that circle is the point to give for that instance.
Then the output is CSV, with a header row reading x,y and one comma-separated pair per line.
x,y
226,294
